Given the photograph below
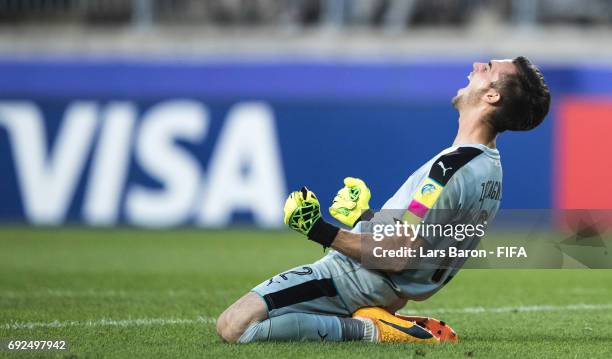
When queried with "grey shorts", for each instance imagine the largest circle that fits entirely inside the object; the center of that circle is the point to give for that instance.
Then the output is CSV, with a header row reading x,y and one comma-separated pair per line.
x,y
334,285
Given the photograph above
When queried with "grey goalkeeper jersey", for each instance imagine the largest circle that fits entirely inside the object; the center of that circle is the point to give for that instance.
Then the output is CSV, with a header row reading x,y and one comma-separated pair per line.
x,y
455,186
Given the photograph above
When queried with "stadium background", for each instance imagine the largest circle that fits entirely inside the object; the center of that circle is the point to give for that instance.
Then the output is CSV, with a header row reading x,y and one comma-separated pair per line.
x,y
205,114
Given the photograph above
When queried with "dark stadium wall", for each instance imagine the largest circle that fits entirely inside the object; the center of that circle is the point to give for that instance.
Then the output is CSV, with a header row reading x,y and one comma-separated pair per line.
x,y
169,143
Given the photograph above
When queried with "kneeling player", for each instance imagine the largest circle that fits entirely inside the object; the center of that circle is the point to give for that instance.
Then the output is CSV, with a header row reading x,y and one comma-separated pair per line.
x,y
337,298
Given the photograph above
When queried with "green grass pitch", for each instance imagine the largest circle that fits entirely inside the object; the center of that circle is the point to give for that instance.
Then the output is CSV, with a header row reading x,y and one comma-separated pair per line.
x,y
137,293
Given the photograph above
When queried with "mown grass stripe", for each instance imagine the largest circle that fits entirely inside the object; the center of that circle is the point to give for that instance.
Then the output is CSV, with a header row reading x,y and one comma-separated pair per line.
x,y
209,320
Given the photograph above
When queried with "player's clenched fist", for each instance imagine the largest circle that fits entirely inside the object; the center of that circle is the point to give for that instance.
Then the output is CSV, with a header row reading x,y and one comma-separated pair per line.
x,y
351,201
302,209
302,213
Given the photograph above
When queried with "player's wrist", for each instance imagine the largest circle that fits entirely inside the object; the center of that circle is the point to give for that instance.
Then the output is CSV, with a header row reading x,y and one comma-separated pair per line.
x,y
366,215
323,232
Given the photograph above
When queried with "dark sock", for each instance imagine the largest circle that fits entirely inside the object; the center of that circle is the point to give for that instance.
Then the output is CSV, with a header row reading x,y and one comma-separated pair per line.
x,y
352,329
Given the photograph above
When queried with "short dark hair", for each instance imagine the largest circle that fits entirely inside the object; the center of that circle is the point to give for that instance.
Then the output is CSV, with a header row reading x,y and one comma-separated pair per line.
x,y
525,98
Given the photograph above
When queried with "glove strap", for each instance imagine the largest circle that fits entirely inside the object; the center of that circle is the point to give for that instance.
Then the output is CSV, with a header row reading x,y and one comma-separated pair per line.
x,y
323,233
365,216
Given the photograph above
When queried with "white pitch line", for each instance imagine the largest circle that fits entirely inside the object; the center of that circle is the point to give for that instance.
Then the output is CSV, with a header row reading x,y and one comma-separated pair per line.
x,y
108,323
111,293
208,320
521,308
128,294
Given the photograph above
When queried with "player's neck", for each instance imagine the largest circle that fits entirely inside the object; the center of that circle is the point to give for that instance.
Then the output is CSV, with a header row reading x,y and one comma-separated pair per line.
x,y
472,130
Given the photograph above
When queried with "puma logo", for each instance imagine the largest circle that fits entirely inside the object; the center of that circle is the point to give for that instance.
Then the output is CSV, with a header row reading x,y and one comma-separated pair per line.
x,y
322,336
444,169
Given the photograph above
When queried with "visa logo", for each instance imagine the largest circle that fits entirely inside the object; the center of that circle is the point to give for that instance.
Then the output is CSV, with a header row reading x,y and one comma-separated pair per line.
x,y
109,140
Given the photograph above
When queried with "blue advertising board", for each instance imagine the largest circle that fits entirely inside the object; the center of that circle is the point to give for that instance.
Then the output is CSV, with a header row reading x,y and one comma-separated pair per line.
x,y
211,144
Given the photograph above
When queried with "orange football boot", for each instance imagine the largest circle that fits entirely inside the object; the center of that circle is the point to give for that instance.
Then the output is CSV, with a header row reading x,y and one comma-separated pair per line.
x,y
438,328
394,329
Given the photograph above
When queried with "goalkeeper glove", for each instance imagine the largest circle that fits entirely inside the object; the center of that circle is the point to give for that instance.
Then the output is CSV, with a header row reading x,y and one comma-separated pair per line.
x,y
303,214
351,204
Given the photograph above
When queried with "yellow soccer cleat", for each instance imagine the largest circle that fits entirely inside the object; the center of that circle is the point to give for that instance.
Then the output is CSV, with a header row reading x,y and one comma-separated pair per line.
x,y
393,329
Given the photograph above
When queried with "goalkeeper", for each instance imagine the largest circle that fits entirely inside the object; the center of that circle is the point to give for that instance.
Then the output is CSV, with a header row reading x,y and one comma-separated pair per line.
x,y
337,298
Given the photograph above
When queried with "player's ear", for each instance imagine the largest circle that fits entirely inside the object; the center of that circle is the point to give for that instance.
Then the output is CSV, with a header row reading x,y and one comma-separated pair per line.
x,y
491,96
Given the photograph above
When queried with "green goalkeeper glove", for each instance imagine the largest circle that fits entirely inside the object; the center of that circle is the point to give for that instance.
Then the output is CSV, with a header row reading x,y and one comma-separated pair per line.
x,y
351,204
303,214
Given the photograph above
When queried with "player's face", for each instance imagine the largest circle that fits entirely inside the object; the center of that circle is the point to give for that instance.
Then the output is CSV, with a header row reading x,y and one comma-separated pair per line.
x,y
480,79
